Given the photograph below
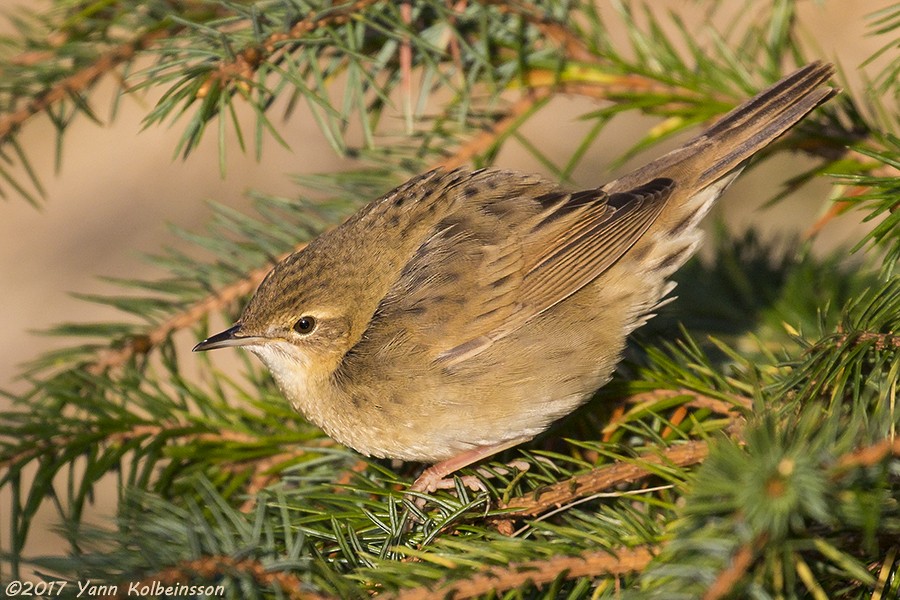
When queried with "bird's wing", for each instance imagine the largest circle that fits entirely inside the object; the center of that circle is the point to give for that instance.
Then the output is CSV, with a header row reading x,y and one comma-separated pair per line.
x,y
514,248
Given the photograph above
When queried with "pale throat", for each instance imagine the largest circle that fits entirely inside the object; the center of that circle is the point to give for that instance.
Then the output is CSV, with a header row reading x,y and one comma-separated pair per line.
x,y
306,384
293,371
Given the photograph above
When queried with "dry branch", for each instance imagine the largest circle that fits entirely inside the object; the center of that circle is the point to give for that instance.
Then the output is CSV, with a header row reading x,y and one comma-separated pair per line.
x,y
498,579
77,82
604,478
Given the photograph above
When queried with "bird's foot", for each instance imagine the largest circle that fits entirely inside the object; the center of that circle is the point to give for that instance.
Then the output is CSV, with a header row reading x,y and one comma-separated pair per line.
x,y
433,479
435,476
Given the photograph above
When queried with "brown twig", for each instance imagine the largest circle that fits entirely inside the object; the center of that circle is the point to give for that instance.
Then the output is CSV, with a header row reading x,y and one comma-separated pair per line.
x,y
595,563
265,470
77,82
846,202
406,60
868,456
47,445
123,437
610,86
620,416
837,208
728,578
211,569
573,46
484,140
262,476
698,400
603,478
243,67
115,357
882,340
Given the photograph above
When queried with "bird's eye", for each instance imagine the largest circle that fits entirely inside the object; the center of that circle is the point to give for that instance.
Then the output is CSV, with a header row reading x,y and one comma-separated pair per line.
x,y
305,325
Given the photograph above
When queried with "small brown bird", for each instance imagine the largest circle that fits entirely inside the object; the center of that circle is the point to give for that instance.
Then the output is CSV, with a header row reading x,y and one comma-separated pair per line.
x,y
465,311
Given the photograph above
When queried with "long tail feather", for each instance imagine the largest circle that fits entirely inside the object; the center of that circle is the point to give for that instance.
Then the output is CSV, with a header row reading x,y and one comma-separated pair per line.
x,y
740,133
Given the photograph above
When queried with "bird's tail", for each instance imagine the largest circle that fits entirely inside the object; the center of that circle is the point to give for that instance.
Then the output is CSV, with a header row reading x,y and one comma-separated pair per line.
x,y
739,134
706,165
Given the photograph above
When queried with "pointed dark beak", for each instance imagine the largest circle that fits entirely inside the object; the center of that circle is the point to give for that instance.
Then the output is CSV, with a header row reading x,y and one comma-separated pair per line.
x,y
229,337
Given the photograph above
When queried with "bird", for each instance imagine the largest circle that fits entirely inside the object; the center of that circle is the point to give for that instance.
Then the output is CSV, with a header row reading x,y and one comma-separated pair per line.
x,y
464,312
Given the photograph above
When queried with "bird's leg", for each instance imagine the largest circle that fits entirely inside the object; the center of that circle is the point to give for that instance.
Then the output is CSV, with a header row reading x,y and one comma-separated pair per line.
x,y
434,477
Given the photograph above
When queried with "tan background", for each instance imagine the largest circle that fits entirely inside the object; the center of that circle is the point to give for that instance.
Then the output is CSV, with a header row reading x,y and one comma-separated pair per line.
x,y
119,186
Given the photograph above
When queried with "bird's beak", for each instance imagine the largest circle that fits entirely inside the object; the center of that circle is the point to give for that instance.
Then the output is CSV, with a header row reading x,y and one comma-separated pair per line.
x,y
229,337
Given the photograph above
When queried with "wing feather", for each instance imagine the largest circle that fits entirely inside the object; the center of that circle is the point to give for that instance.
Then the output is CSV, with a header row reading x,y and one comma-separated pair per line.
x,y
513,248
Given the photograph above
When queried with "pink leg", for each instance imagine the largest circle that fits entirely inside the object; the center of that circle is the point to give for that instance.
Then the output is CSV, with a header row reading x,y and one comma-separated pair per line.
x,y
433,478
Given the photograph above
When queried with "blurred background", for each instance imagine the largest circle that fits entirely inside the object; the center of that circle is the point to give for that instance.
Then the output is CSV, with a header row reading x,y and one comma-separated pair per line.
x,y
119,187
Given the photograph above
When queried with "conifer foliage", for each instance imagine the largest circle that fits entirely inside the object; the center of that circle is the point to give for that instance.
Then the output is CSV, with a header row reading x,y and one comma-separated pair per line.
x,y
748,447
